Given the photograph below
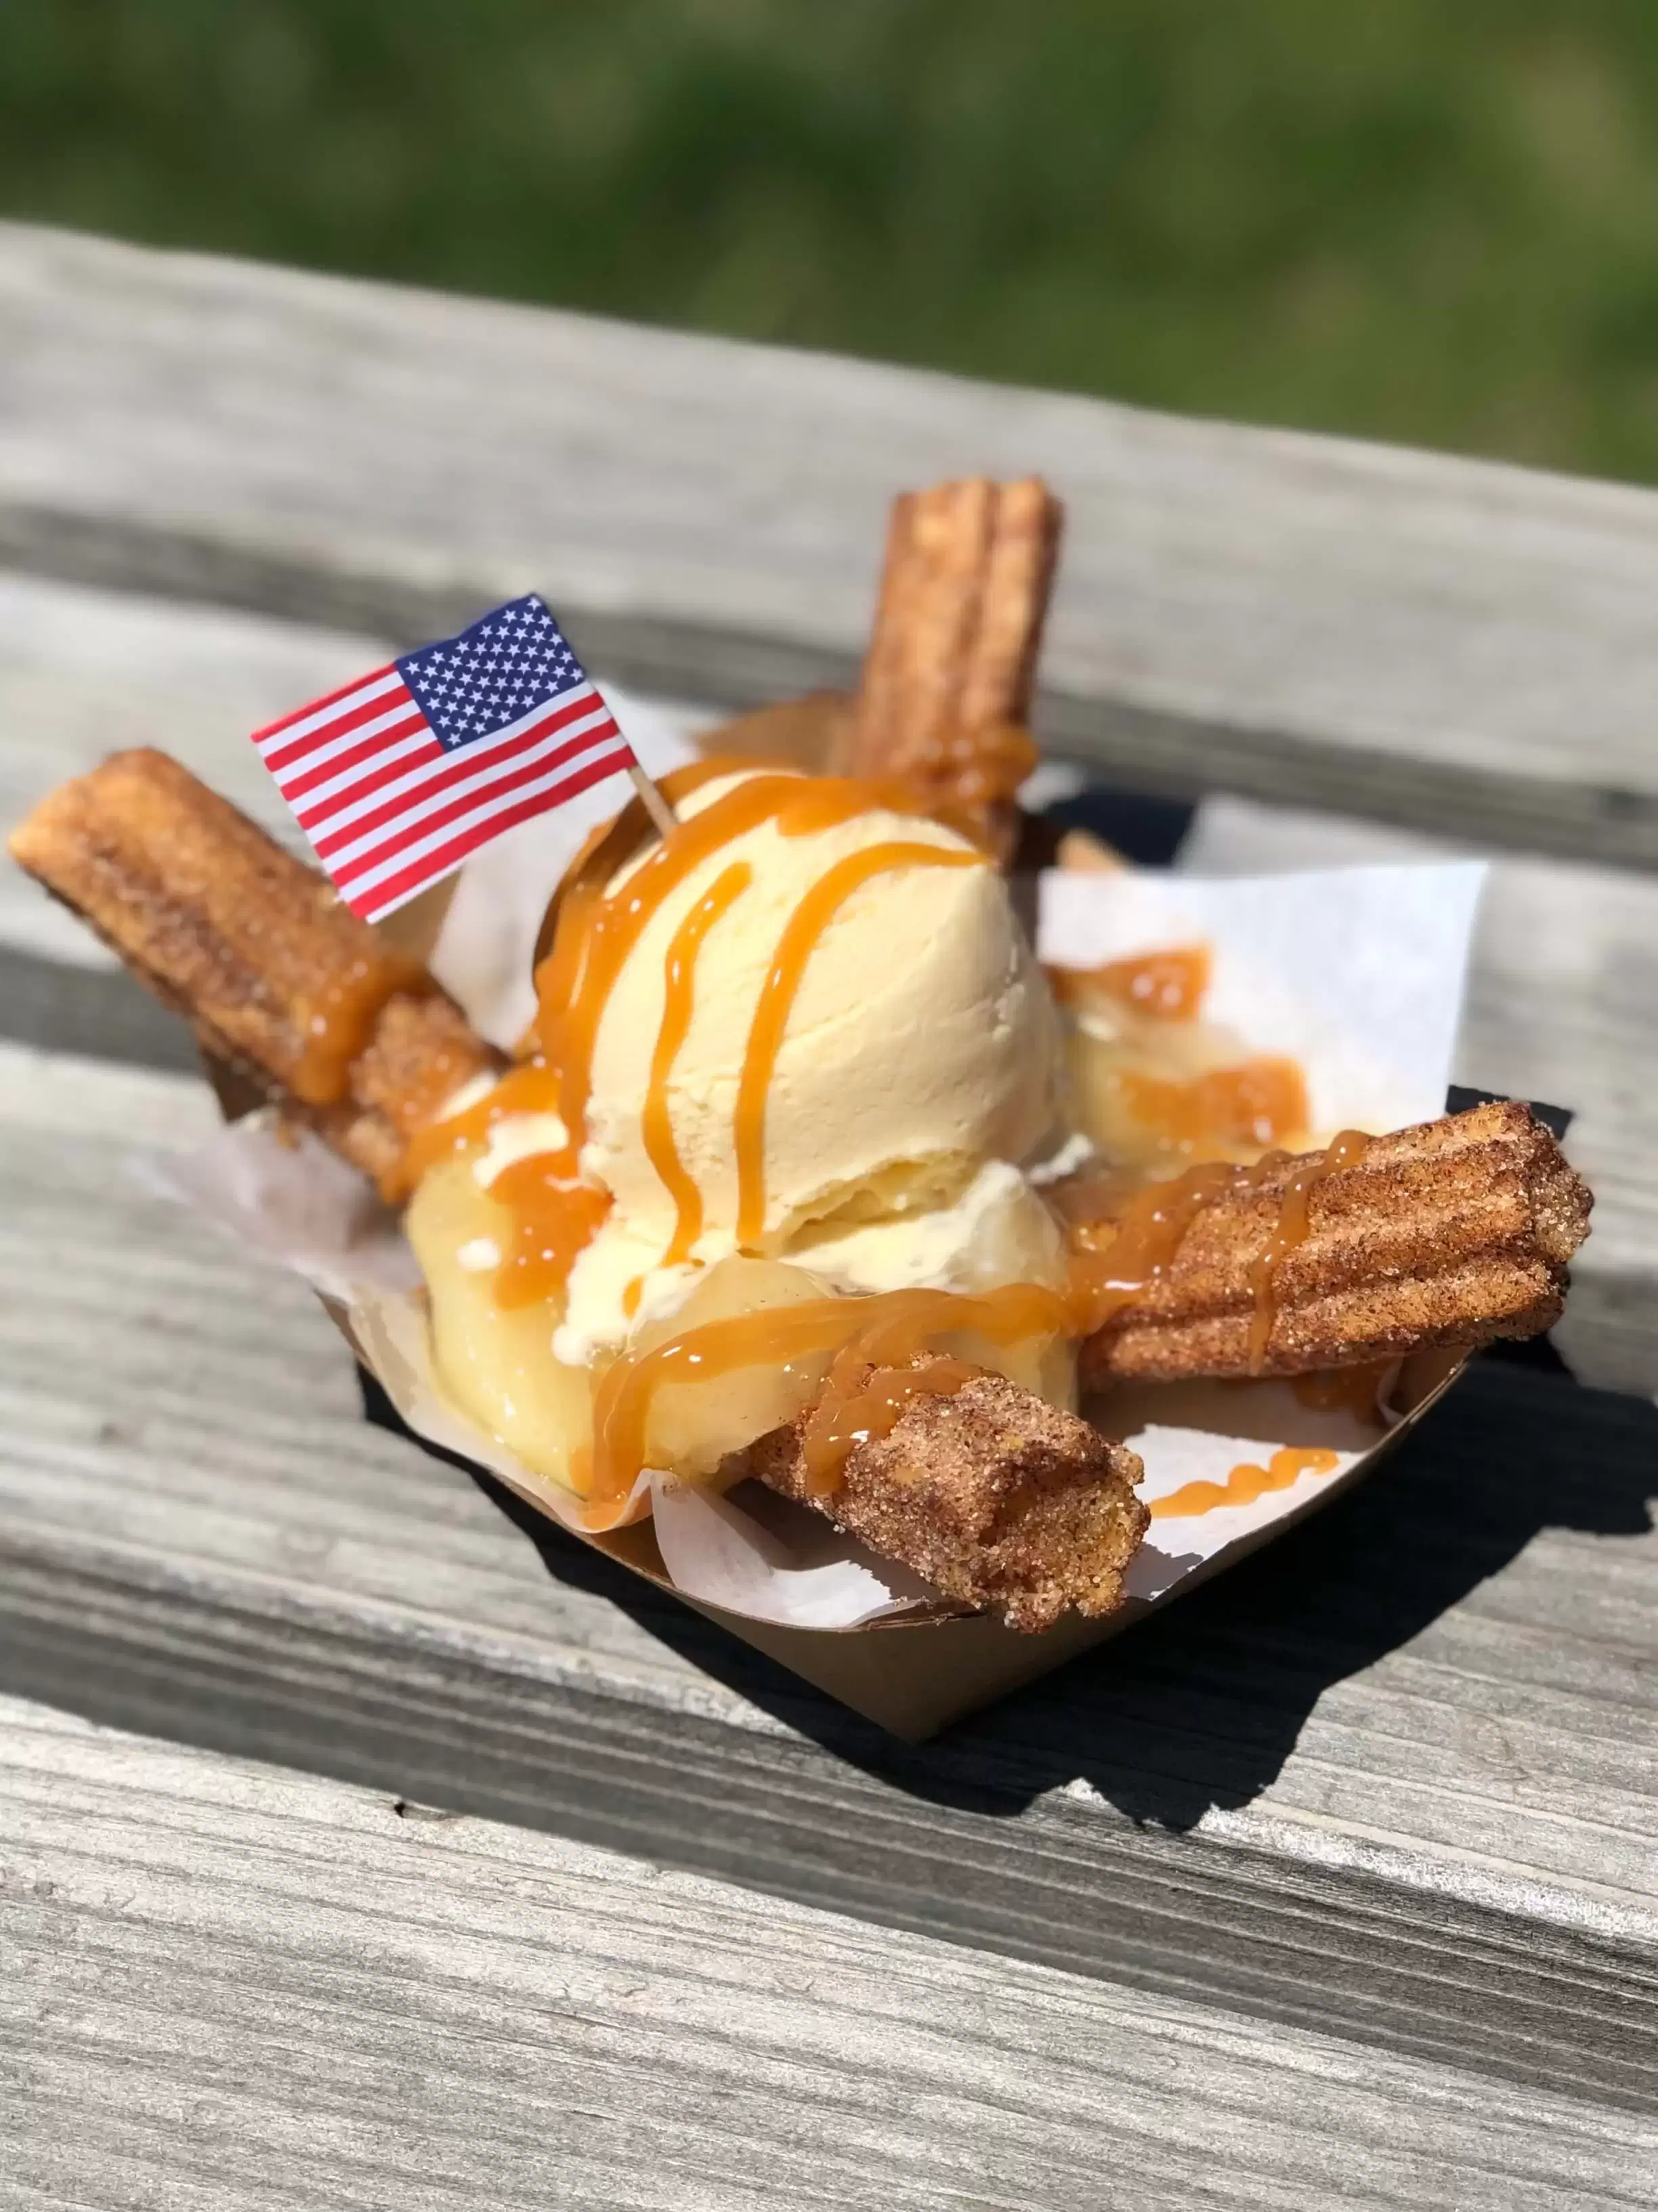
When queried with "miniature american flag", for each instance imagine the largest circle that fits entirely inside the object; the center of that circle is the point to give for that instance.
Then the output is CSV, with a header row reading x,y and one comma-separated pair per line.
x,y
398,777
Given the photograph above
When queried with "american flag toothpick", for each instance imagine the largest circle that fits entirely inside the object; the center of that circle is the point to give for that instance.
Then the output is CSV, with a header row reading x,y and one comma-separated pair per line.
x,y
398,778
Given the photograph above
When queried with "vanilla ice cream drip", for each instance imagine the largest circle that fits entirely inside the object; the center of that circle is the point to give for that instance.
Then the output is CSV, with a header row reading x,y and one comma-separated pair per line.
x,y
805,1029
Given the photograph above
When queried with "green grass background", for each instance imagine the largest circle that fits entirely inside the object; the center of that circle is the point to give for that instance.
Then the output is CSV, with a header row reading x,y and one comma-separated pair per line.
x,y
1430,220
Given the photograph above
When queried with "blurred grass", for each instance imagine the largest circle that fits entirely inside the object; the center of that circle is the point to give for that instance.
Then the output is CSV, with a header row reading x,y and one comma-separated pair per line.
x,y
1405,218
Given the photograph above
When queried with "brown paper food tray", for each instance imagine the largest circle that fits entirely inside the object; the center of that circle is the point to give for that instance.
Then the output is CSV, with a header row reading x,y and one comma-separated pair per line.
x,y
949,1666
915,1674
916,1671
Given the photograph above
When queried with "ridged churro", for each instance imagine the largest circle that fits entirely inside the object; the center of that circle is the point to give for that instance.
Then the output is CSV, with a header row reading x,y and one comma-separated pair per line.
x,y
1451,1233
257,951
947,681
994,1496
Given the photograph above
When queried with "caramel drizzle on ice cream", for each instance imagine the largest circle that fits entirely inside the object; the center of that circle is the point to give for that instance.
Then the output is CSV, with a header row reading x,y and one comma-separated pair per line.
x,y
801,933
598,928
678,1002
555,1213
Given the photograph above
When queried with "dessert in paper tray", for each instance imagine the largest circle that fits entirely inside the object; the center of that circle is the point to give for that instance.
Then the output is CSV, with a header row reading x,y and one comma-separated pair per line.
x,y
759,1202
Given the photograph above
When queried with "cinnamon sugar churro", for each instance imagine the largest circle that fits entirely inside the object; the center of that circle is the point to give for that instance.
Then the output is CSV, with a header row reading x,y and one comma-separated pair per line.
x,y
257,951
948,679
994,1496
1452,1233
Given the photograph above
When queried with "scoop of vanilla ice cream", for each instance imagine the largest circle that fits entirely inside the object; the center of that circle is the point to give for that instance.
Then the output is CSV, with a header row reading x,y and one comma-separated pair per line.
x,y
920,1047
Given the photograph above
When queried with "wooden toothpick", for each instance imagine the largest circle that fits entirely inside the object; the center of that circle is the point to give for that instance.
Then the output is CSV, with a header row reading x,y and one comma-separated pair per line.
x,y
656,805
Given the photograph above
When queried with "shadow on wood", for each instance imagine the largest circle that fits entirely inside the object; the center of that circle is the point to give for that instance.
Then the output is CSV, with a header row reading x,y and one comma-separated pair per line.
x,y
1197,1708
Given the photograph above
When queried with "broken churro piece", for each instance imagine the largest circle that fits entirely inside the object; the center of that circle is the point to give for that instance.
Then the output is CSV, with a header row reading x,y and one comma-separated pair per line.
x,y
257,951
996,1497
1452,1233
947,682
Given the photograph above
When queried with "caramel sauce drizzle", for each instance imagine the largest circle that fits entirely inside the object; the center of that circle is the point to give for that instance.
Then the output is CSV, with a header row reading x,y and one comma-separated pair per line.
x,y
538,1083
678,1005
1258,1103
874,1338
530,1087
801,933
1113,1263
554,1218
862,1402
335,1025
595,929
975,766
1289,1231
553,1214
1170,984
608,848
1246,1483
1217,1111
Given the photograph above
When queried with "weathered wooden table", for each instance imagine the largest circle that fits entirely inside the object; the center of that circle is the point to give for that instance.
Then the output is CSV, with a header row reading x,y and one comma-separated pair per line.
x,y
359,1843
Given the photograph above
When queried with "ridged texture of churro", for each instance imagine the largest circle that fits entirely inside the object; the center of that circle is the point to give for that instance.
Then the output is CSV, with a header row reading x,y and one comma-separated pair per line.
x,y
997,1498
255,950
1452,1233
947,682
420,1050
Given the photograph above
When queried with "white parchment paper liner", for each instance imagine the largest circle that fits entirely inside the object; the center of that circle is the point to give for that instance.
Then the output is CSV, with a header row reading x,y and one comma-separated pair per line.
x,y
1356,973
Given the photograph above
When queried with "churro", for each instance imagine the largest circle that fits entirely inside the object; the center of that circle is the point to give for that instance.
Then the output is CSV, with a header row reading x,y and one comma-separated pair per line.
x,y
270,970
1455,1233
947,681
994,1497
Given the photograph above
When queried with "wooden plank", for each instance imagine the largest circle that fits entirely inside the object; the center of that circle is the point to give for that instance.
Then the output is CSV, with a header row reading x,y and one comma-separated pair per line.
x,y
1440,643
1565,975
1393,1781
224,1986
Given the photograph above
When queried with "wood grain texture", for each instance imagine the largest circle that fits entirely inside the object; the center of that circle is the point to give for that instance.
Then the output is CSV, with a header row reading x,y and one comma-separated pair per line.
x,y
1393,1781
1435,642
225,1986
85,674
